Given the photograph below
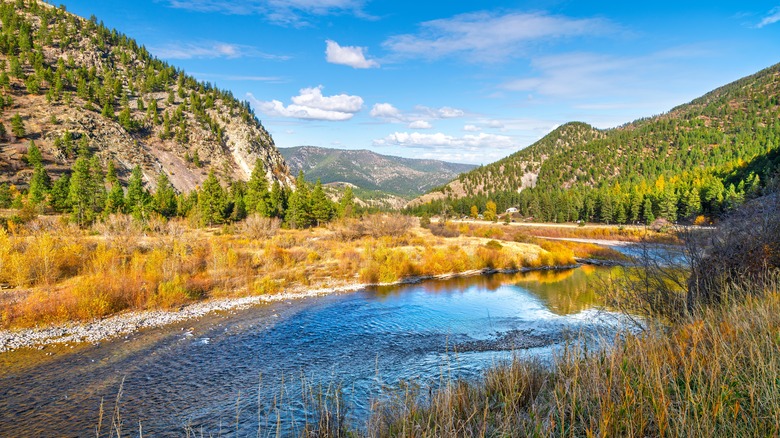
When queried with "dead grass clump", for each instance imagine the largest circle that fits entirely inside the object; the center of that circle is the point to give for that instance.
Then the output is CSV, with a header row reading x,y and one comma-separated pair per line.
x,y
444,230
391,225
256,226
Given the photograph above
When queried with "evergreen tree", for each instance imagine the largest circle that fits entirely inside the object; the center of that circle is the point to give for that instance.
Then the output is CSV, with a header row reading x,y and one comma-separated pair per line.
x,y
137,200
5,195
606,209
277,201
347,203
620,213
164,201
98,199
17,126
59,194
34,157
668,204
257,196
298,214
647,211
691,203
81,191
115,200
212,201
39,185
108,111
321,207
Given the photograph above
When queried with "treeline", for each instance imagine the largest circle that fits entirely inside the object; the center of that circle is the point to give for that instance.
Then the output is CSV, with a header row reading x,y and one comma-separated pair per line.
x,y
89,192
702,158
689,197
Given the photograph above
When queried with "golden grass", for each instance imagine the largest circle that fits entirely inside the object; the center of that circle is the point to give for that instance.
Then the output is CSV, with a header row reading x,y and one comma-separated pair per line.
x,y
58,273
717,375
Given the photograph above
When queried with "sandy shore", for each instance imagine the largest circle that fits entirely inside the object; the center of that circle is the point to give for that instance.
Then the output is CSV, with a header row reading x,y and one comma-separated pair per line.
x,y
129,322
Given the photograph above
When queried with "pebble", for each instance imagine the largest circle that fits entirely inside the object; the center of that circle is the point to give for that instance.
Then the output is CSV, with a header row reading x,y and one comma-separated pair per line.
x,y
123,324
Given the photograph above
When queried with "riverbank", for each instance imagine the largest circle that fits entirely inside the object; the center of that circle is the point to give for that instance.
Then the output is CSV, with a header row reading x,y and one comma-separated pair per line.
x,y
130,322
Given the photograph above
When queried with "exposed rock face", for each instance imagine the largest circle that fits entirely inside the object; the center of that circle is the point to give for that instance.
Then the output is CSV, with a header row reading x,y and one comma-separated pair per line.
x,y
206,129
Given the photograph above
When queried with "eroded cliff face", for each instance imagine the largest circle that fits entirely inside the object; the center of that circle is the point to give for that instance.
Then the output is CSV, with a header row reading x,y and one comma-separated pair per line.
x,y
99,89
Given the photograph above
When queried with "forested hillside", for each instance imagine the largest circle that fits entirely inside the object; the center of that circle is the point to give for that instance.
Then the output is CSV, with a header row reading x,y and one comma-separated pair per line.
x,y
371,171
701,158
71,85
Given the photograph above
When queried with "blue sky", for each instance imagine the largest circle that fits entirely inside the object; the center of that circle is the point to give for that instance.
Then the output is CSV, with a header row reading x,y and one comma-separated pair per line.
x,y
460,81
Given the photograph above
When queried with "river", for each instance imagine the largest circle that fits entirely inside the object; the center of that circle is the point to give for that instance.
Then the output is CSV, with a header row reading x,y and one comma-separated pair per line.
x,y
244,372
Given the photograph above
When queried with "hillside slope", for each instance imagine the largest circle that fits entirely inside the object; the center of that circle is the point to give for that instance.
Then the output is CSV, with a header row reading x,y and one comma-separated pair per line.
x,y
705,156
74,84
371,171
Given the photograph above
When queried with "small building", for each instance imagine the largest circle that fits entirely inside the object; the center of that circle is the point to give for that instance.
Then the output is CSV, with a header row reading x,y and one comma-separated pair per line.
x,y
511,210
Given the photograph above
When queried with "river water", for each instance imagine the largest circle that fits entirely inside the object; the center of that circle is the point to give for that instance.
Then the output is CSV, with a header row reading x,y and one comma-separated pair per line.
x,y
243,373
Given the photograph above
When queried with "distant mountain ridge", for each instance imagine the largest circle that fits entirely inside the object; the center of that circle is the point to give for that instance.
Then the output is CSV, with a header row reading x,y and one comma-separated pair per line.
x,y
703,157
405,177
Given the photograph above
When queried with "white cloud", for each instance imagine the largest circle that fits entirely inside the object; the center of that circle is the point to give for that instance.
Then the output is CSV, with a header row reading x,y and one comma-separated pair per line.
x,y
577,75
352,56
278,11
390,113
440,141
495,124
386,111
210,50
310,104
772,17
484,36
472,128
420,124
448,113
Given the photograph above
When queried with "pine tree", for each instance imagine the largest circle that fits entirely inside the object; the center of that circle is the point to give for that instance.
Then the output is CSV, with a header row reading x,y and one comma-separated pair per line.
x,y
277,201
668,204
298,214
5,195
606,209
58,196
257,196
80,192
647,211
321,207
347,203
39,185
34,157
212,201
115,200
137,200
17,126
164,201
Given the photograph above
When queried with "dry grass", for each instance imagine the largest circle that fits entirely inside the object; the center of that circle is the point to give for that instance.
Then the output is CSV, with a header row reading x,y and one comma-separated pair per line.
x,y
57,272
717,376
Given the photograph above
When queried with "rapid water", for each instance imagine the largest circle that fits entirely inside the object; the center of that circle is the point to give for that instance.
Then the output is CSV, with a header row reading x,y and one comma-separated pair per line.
x,y
243,373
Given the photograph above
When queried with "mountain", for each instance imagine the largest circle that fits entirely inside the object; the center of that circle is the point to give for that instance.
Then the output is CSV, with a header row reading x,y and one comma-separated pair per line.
x,y
703,157
369,171
69,83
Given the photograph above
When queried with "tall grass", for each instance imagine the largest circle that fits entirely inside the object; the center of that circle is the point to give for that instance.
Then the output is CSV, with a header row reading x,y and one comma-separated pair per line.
x,y
57,272
716,375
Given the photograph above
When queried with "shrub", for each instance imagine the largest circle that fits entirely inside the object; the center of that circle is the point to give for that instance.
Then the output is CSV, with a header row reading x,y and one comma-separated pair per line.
x,y
260,227
443,230
744,249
